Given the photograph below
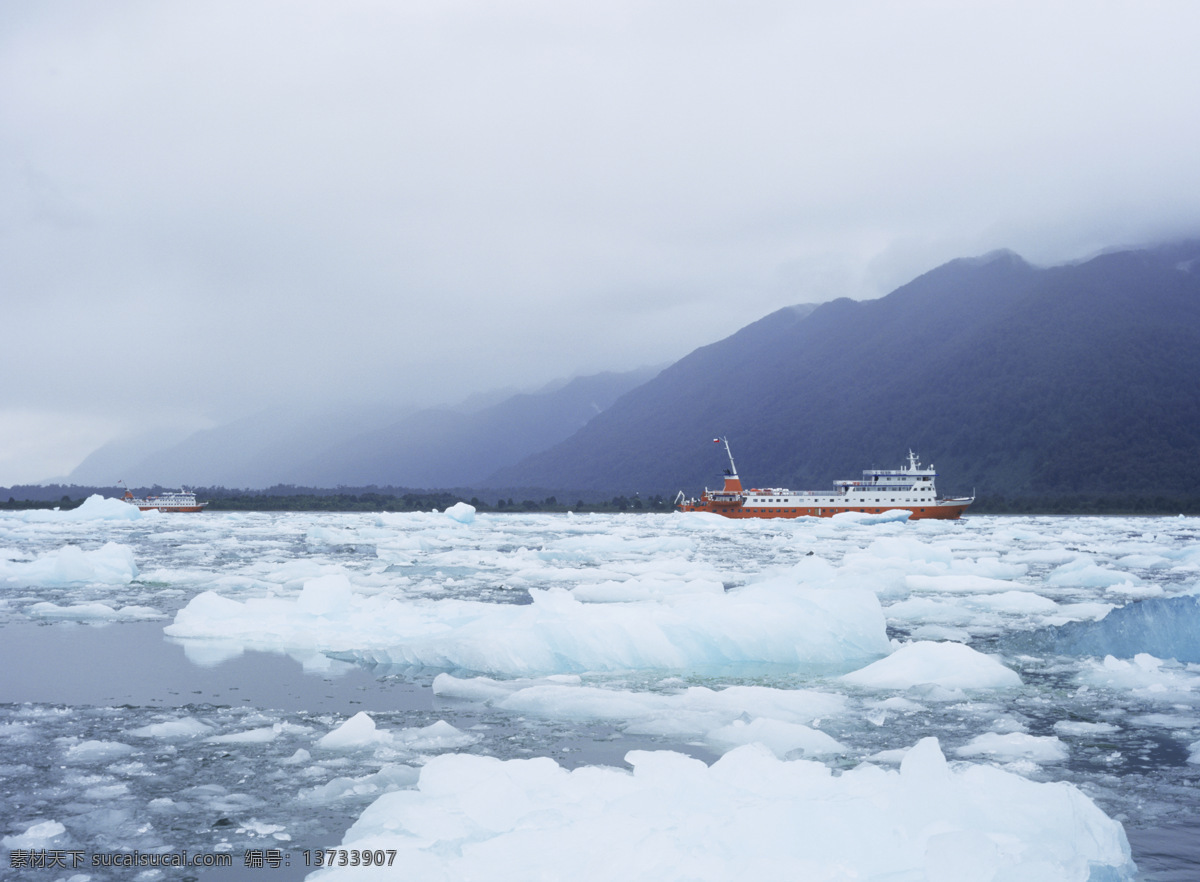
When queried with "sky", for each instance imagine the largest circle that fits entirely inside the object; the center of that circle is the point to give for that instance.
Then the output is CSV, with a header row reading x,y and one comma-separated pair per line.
x,y
214,208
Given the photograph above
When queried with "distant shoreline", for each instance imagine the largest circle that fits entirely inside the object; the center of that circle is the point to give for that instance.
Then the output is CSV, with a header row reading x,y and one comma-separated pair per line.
x,y
346,500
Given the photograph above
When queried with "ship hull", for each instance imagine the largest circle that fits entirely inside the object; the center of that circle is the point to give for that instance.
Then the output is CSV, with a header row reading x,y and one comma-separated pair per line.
x,y
177,508
948,511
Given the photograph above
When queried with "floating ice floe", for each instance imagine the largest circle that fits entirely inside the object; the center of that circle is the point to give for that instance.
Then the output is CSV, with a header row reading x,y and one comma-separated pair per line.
x,y
769,623
1081,728
632,590
391,777
1146,677
855,518
724,718
360,732
1083,572
111,564
184,727
1011,746
37,835
93,751
779,737
948,665
92,612
748,816
261,735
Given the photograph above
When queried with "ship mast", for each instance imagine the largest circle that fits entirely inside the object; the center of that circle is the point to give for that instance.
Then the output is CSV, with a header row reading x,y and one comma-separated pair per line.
x,y
732,468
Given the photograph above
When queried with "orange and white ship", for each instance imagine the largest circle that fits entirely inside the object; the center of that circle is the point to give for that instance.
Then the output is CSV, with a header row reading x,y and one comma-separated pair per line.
x,y
183,500
910,487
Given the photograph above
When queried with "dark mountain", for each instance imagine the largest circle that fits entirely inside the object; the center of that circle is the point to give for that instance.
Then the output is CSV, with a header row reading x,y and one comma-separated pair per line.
x,y
1015,380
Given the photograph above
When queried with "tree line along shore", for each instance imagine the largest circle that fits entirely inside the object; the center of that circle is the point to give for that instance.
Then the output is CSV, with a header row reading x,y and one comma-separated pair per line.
x,y
294,499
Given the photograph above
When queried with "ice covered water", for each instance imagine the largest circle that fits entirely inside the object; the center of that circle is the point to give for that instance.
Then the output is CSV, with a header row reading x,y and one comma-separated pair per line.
x,y
653,696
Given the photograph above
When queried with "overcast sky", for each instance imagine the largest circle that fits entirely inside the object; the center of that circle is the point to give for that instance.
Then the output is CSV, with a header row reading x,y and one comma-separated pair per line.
x,y
213,207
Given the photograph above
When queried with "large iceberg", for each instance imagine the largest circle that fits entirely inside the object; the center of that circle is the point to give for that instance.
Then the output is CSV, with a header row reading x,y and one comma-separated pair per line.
x,y
94,508
772,623
1164,627
749,815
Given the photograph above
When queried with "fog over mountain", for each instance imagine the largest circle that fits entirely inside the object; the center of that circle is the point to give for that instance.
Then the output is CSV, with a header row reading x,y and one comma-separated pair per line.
x,y
437,447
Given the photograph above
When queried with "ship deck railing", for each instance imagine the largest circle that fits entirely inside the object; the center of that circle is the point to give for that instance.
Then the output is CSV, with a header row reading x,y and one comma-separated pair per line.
x,y
840,491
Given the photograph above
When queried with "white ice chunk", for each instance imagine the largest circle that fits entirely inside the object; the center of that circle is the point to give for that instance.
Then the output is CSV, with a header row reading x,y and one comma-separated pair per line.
x,y
387,779
782,738
643,589
1145,676
357,732
185,727
111,564
461,512
360,732
693,713
950,665
1015,746
436,736
959,583
97,751
92,612
854,518
1015,602
1080,728
324,595
35,836
261,735
1083,573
